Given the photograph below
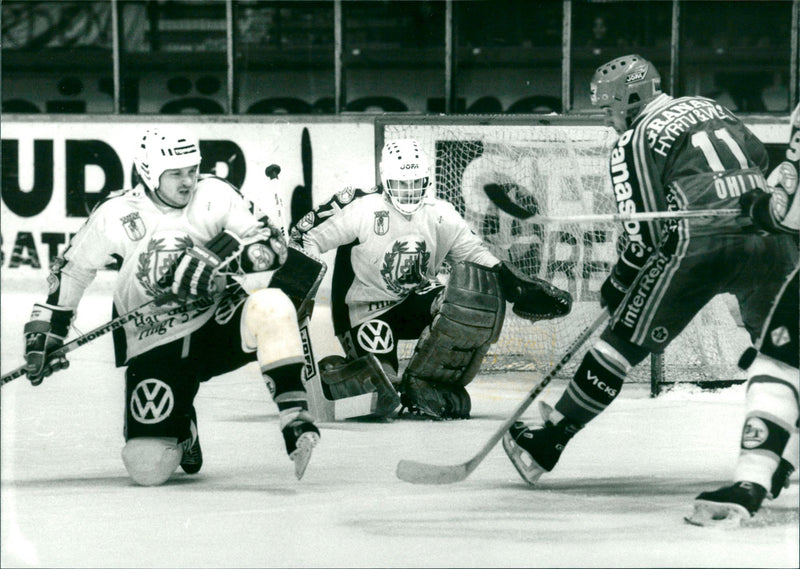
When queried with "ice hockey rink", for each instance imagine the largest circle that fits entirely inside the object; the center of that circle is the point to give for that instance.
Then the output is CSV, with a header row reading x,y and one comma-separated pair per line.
x,y
617,498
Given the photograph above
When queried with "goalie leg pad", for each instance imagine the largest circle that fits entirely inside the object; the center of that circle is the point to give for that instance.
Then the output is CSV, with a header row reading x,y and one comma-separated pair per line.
x,y
150,461
342,379
469,319
450,351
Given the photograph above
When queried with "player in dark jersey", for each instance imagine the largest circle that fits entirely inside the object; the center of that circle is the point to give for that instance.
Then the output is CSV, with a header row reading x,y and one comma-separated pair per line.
x,y
769,445
673,154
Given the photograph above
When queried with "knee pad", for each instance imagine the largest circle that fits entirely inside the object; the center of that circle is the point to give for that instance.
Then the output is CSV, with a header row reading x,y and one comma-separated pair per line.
x,y
269,325
771,410
150,461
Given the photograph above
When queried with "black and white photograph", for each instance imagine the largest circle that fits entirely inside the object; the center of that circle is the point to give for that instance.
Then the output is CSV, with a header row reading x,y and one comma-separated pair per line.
x,y
400,283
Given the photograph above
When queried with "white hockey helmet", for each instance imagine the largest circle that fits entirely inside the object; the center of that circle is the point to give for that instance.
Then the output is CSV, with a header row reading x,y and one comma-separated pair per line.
x,y
624,86
165,149
405,174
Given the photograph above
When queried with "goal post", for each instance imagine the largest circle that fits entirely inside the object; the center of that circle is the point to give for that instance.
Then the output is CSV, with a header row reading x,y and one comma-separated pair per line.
x,y
559,166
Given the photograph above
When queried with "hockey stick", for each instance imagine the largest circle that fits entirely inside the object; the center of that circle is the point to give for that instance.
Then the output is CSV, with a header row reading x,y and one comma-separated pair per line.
x,y
118,322
499,196
423,473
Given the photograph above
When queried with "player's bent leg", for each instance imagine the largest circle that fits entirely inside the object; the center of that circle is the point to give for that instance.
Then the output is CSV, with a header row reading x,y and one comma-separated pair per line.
x,y
270,325
761,471
150,461
771,416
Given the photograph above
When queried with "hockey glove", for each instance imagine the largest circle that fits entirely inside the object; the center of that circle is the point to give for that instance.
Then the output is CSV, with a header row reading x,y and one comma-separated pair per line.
x,y
616,285
770,211
45,333
198,268
533,298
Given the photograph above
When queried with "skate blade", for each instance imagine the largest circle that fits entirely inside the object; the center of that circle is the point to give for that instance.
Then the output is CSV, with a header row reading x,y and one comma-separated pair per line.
x,y
718,515
528,469
302,454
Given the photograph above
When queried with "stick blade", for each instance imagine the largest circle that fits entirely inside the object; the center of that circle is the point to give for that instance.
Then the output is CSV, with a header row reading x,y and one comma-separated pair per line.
x,y
422,473
499,196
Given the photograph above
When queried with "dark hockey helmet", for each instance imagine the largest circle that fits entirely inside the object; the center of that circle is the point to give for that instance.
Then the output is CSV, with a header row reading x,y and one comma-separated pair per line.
x,y
623,86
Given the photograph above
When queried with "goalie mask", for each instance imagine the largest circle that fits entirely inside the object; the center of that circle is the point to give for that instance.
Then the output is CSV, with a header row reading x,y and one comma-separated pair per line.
x,y
405,174
623,87
162,150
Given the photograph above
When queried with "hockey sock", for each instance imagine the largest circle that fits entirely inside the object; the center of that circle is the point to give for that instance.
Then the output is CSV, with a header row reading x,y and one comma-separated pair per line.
x,y
593,387
771,416
285,383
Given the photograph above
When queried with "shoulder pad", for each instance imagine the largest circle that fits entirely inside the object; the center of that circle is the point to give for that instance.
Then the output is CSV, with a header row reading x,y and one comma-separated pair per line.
x,y
115,194
211,179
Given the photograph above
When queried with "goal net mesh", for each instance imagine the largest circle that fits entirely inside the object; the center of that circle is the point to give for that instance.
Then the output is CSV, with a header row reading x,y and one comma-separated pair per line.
x,y
562,170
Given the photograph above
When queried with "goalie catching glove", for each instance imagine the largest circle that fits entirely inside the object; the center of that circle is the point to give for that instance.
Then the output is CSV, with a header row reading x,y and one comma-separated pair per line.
x,y
45,333
533,298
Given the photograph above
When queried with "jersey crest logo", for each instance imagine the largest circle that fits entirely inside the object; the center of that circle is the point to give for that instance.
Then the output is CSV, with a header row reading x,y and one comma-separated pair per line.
x,y
152,401
157,263
134,226
381,225
405,265
375,336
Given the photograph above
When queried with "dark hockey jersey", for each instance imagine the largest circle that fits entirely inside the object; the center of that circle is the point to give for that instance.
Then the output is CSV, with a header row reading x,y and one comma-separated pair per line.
x,y
685,153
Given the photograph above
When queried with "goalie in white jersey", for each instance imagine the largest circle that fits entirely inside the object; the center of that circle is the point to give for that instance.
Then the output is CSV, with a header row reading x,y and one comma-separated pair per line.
x,y
178,236
391,242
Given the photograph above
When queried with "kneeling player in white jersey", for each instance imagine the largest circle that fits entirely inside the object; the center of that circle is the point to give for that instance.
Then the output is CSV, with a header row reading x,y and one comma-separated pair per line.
x,y
769,445
177,236
391,242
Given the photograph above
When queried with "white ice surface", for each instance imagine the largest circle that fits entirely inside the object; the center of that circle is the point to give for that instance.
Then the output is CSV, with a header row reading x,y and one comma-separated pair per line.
x,y
616,499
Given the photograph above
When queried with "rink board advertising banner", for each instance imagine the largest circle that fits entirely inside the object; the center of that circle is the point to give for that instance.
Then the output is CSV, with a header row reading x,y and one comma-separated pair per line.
x,y
53,173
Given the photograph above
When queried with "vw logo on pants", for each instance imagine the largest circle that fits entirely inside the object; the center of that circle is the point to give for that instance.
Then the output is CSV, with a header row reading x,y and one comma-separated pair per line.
x,y
375,336
152,401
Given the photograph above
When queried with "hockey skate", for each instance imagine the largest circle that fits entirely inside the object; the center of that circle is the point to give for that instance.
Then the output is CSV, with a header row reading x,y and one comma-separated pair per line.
x,y
728,506
301,436
536,451
192,460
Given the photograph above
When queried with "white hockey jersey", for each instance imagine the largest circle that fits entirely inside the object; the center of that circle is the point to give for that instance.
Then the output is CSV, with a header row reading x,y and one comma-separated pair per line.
x,y
148,238
390,254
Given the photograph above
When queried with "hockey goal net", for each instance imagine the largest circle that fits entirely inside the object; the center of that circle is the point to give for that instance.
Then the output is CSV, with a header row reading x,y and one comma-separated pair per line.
x,y
561,165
